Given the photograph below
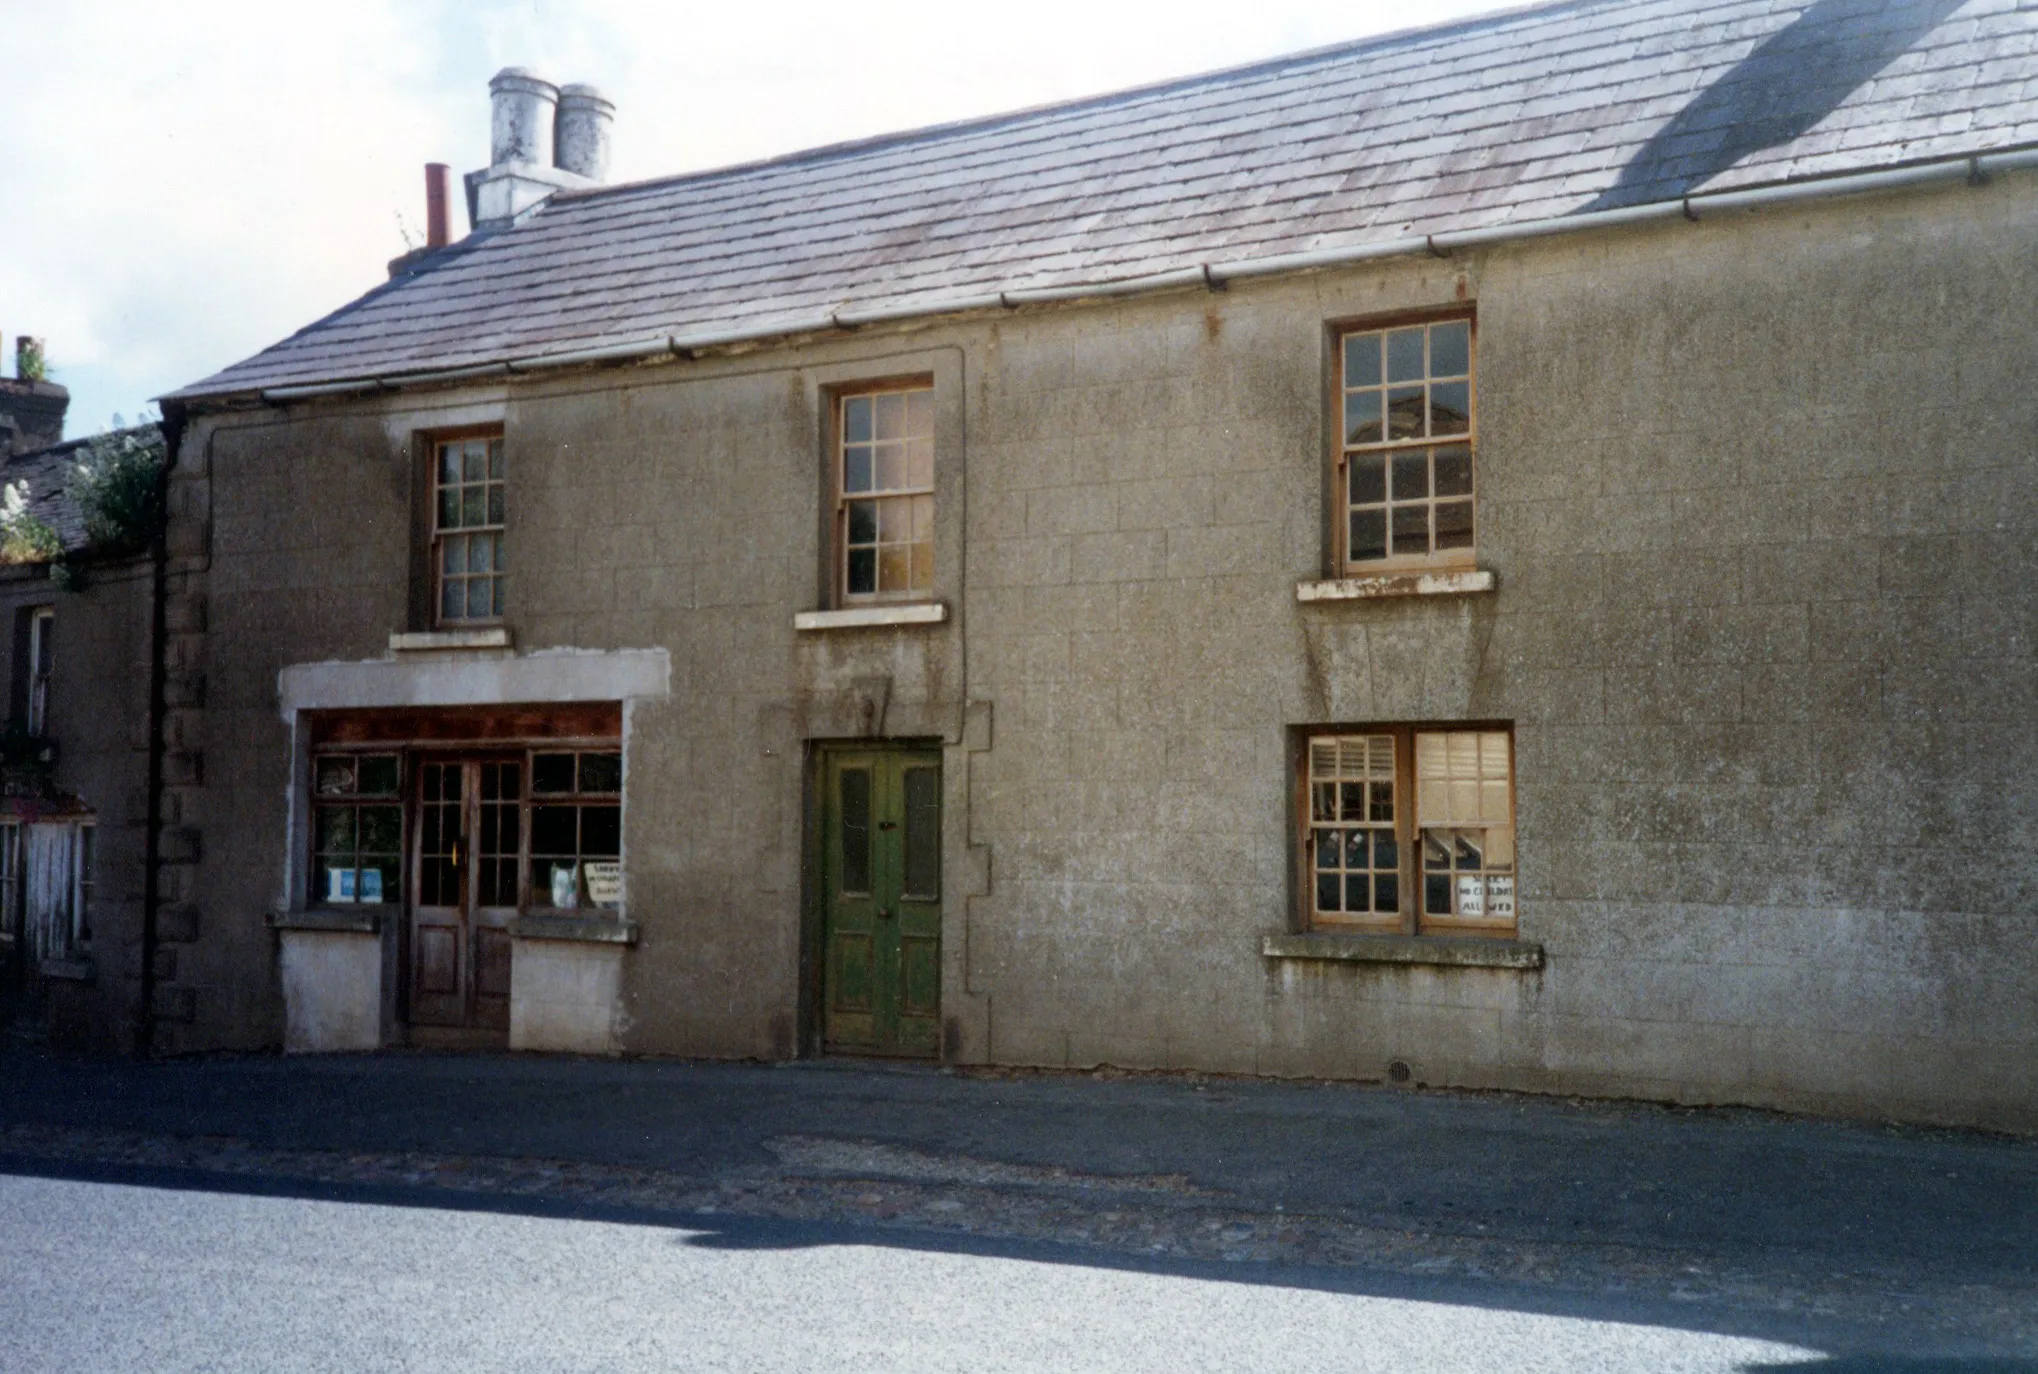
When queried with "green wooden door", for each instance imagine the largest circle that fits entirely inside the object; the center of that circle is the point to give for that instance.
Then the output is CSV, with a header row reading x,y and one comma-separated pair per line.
x,y
881,885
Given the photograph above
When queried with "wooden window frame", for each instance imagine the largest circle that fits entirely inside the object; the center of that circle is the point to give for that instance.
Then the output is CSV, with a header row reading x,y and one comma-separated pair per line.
x,y
11,885
840,497
435,536
409,756
42,626
1408,826
357,800
579,799
1344,451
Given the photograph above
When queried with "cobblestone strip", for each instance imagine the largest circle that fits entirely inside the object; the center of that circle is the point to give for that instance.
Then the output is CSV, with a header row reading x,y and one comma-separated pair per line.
x,y
866,1183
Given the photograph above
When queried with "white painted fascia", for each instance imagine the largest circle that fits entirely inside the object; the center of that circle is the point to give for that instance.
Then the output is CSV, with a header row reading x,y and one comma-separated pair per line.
x,y
545,676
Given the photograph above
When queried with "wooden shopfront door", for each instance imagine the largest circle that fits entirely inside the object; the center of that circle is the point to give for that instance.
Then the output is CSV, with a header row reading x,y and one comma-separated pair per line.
x,y
881,884
465,849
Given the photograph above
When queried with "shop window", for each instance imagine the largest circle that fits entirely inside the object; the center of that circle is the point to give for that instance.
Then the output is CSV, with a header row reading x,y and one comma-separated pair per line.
x,y
357,829
576,830
1409,830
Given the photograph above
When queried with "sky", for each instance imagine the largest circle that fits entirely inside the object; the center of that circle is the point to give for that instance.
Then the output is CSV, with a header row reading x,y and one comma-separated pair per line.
x,y
182,185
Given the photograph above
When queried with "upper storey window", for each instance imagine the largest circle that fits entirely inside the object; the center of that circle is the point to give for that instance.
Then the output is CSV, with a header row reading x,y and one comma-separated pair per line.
x,y
884,518
1406,408
467,528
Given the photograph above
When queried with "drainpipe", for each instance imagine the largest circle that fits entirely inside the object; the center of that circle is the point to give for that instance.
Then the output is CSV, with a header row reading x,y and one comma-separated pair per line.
x,y
152,886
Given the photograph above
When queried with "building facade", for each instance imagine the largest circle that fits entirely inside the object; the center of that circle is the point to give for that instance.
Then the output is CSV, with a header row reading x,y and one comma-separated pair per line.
x,y
1570,633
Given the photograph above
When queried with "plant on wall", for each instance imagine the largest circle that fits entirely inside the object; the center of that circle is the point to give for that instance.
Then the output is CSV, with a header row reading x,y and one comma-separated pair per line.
x,y
28,360
25,537
118,490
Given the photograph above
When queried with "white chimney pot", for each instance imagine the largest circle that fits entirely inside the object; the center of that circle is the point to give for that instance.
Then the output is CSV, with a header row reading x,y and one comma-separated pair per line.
x,y
521,117
583,131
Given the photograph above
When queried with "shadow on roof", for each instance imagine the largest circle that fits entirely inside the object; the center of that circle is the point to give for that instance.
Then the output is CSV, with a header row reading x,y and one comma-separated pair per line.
x,y
1792,80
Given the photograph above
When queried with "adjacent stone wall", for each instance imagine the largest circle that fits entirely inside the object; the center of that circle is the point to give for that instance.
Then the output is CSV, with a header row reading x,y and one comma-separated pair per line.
x,y
1760,496
98,716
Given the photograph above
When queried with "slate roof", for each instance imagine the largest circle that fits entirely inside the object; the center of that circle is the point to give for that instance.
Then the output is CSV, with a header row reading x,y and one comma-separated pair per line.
x,y
1522,115
46,475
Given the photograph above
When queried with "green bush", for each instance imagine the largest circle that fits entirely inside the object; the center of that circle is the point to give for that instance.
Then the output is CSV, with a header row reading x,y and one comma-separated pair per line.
x,y
118,490
25,537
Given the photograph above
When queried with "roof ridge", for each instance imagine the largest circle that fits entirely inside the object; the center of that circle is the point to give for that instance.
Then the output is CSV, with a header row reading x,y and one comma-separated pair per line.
x,y
901,137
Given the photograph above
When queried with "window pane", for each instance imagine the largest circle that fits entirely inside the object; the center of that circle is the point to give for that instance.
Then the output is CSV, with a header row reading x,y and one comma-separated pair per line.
x,y
1327,848
1386,854
551,773
381,880
449,463
495,508
1404,355
1358,893
1450,407
1454,470
1323,805
856,420
554,830
855,789
1355,849
889,409
453,554
863,522
894,569
1411,476
478,552
1411,529
1369,534
923,567
1369,480
862,570
856,468
378,775
449,508
1362,417
920,414
1386,892
1362,360
495,460
1436,894
1382,806
601,772
335,777
1404,412
473,506
381,830
923,832
601,831
1454,524
894,522
1450,349
336,830
920,463
1328,890
891,467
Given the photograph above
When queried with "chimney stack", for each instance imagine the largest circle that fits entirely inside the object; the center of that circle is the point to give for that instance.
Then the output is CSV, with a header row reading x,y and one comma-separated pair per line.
x,y
436,174
542,139
582,143
31,406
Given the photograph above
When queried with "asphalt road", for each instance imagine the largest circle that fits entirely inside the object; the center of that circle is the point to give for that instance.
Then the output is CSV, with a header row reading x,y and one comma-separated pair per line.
x,y
115,1277
476,1211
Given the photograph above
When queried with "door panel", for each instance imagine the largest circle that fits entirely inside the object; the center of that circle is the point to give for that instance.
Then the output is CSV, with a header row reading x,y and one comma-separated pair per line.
x,y
465,875
881,884
438,921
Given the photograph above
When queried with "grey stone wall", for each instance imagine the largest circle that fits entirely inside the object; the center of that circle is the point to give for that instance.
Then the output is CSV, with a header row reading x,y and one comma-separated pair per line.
x,y
1759,494
98,716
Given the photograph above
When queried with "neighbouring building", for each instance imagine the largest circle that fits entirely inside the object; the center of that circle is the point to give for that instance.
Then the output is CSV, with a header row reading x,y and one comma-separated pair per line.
x,y
1500,555
76,644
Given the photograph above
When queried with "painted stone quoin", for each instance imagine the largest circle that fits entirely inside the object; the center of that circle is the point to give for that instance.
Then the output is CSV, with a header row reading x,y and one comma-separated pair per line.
x,y
1524,570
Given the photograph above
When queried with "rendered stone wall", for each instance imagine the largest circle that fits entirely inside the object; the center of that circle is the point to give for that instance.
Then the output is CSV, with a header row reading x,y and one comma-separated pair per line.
x,y
1759,494
332,990
566,996
98,716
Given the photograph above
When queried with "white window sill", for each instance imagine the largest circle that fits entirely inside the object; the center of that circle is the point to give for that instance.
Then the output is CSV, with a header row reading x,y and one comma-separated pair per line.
x,y
873,617
1464,582
1457,951
365,920
429,641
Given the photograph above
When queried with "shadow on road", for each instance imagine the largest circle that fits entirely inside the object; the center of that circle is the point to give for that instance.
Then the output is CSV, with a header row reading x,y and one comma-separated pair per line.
x,y
1849,1348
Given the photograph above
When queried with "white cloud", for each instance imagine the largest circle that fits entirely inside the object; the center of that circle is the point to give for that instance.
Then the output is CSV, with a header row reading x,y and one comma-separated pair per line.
x,y
186,184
